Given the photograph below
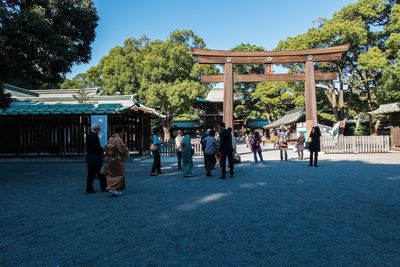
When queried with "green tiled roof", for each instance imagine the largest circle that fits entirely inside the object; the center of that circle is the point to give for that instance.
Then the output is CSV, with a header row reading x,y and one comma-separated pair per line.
x,y
77,109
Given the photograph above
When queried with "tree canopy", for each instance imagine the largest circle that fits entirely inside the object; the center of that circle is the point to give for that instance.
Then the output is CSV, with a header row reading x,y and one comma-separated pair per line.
x,y
162,73
41,40
371,27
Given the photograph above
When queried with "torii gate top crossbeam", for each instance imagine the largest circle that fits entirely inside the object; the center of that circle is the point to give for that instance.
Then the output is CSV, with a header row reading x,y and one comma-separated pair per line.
x,y
206,56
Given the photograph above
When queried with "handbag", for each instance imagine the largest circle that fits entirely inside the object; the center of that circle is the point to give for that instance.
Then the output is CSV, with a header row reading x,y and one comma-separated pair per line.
x,y
236,158
153,147
307,145
104,169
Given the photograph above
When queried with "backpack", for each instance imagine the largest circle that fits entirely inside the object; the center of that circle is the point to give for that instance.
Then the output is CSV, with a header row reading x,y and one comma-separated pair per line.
x,y
255,142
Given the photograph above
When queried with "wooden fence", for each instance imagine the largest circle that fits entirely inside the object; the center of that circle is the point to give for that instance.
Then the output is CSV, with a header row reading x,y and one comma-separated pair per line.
x,y
355,144
169,148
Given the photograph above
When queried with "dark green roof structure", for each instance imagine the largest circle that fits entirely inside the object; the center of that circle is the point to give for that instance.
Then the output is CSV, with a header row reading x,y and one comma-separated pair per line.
x,y
256,123
29,108
186,124
56,109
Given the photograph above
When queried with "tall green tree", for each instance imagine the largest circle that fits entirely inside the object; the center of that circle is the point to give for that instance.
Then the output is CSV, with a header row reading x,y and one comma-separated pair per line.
x,y
368,26
276,98
80,81
41,40
164,74
245,104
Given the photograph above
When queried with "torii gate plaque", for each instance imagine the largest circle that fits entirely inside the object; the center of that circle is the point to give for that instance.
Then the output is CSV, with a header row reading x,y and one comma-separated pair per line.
x,y
308,57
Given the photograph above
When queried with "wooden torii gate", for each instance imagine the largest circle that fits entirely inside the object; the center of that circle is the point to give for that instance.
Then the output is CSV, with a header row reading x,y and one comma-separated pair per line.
x,y
308,57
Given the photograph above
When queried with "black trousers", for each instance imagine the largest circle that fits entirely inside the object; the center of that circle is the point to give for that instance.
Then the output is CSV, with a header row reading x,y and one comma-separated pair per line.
x,y
94,170
315,157
156,162
205,160
283,151
210,162
179,156
222,162
259,154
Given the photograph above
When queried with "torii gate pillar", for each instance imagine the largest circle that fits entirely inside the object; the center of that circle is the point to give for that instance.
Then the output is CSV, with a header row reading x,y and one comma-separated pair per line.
x,y
310,97
228,95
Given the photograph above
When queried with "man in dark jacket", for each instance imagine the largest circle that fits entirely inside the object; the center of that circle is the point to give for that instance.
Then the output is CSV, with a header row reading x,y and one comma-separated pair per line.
x,y
94,160
226,150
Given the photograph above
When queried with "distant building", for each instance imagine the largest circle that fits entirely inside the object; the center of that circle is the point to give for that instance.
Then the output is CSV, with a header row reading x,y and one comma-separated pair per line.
x,y
388,122
212,110
296,118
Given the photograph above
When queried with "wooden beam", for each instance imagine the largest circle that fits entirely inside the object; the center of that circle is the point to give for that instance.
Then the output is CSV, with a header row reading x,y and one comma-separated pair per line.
x,y
305,52
228,95
268,68
319,76
269,60
310,97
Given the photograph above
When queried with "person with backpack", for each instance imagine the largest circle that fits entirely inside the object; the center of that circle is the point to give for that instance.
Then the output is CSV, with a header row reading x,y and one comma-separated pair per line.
x,y
256,147
211,147
283,141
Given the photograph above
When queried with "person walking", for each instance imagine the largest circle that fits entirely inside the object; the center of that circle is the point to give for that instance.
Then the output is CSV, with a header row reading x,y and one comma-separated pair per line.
x,y
256,147
249,139
187,156
178,144
211,146
226,151
203,148
116,153
273,138
283,141
156,141
314,146
94,160
300,146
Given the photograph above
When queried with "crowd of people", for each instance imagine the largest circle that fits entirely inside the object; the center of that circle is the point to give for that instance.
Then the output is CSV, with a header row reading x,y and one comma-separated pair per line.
x,y
217,146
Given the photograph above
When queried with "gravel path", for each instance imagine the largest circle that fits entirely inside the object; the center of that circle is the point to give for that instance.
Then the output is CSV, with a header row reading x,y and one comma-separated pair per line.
x,y
344,213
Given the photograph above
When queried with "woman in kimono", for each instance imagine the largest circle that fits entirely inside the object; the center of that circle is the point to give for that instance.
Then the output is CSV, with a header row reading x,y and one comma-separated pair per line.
x,y
187,157
116,154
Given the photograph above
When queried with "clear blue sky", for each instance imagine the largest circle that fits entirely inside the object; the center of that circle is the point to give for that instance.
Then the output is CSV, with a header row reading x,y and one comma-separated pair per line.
x,y
222,24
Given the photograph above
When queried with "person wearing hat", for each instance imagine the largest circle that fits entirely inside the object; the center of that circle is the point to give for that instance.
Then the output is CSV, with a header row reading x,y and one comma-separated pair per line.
x,y
283,141
94,160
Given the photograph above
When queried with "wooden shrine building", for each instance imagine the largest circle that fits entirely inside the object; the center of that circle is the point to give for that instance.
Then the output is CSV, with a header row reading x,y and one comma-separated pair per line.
x,y
57,125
